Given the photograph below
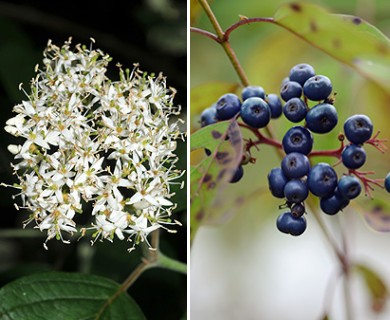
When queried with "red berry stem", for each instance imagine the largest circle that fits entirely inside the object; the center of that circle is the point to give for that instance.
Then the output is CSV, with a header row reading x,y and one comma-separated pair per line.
x,y
330,153
367,182
378,143
261,139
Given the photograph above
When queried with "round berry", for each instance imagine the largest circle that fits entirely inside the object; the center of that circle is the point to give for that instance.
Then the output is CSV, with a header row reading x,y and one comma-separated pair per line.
x,y
208,116
228,106
322,180
289,224
297,210
322,118
349,187
295,165
358,128
238,174
291,89
252,91
296,191
333,203
275,105
295,110
387,182
255,112
317,88
301,72
353,156
276,182
297,139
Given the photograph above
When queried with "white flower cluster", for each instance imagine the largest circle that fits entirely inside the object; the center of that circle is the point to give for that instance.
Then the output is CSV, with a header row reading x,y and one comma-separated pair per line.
x,y
87,139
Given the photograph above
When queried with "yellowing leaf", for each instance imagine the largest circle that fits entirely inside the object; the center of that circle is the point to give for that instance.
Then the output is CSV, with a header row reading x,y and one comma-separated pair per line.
x,y
375,286
349,40
195,10
211,176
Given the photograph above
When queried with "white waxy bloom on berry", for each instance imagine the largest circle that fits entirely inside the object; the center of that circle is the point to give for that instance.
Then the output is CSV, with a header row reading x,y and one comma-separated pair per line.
x,y
88,139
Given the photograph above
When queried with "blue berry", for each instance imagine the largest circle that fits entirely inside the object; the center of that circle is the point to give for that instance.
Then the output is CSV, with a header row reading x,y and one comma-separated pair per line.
x,y
353,156
349,187
289,224
255,112
358,128
297,210
301,72
296,191
284,81
322,180
333,203
295,165
322,118
252,91
208,116
228,106
295,110
291,89
276,182
387,182
298,139
238,174
275,105
317,88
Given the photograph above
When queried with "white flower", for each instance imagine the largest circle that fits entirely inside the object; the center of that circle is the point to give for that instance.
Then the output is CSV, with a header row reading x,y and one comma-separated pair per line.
x,y
90,139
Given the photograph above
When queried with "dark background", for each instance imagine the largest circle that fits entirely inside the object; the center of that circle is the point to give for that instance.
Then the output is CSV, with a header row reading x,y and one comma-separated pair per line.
x,y
151,33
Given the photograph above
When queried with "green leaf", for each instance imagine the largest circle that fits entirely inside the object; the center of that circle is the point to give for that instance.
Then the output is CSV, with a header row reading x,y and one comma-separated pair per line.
x,y
211,176
349,40
66,296
375,285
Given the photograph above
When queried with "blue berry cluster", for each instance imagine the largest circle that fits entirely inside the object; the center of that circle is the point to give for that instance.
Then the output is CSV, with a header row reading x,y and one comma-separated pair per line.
x,y
296,178
256,109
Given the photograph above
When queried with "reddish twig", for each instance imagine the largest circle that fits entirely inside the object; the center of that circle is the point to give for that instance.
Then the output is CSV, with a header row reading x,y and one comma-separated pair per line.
x,y
208,34
261,139
367,182
378,143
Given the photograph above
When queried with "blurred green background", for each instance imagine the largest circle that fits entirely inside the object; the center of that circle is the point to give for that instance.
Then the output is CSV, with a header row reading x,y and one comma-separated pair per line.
x,y
246,269
150,32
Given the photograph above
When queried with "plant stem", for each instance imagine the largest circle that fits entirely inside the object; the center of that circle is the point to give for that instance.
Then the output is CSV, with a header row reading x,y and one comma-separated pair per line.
x,y
224,41
153,258
210,35
171,264
343,257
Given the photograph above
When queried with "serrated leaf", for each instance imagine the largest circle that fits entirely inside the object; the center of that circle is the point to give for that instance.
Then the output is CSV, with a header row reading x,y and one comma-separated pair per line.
x,y
211,176
375,285
66,296
351,41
